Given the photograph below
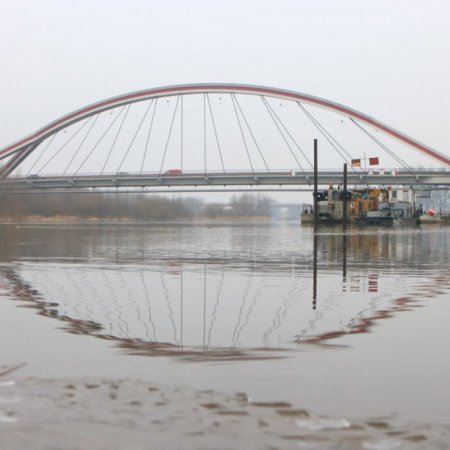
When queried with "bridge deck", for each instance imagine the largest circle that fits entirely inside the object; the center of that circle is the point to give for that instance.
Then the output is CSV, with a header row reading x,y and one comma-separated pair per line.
x,y
286,178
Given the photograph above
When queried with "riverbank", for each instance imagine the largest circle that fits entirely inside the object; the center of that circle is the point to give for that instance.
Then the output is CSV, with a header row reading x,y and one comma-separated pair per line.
x,y
129,414
137,207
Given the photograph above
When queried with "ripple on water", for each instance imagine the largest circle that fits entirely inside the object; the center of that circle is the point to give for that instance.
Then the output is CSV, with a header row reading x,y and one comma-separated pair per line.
x,y
323,424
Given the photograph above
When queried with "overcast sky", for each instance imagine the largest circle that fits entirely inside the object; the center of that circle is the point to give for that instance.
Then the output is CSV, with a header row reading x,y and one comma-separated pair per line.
x,y
387,58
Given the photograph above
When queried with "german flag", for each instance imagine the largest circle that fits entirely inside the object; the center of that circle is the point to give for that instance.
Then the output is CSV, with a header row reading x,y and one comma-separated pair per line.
x,y
356,163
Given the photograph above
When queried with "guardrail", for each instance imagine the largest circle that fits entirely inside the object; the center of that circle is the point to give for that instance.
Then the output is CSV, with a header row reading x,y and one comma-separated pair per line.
x,y
209,179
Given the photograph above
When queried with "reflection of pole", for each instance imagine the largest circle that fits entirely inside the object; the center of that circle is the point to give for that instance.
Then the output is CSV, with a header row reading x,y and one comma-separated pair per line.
x,y
315,243
344,212
344,256
204,309
316,209
181,306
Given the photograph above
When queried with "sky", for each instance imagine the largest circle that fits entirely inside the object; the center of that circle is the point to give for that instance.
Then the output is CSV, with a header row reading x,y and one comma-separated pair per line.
x,y
389,58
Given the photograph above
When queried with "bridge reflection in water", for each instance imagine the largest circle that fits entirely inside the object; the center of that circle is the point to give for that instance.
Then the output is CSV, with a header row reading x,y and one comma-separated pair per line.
x,y
225,309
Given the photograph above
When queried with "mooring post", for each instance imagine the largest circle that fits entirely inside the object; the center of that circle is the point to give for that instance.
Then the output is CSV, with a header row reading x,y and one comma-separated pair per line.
x,y
344,227
316,223
316,209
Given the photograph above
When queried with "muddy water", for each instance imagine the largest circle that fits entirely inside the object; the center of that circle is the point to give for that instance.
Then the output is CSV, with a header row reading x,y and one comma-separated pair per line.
x,y
352,325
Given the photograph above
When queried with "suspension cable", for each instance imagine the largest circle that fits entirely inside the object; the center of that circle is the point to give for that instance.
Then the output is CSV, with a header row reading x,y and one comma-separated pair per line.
x,y
134,138
148,135
251,133
81,143
288,133
64,145
242,133
215,132
319,125
384,147
101,138
327,135
264,101
116,137
43,151
168,137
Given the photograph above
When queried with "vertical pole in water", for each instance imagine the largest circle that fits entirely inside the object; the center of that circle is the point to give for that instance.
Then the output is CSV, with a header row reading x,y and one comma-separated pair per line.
x,y
344,212
316,223
316,209
344,227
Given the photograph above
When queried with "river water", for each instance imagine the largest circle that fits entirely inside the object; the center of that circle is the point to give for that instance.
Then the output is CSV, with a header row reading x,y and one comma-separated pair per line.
x,y
352,325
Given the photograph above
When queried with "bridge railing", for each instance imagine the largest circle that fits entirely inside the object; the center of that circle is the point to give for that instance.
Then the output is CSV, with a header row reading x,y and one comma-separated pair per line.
x,y
260,172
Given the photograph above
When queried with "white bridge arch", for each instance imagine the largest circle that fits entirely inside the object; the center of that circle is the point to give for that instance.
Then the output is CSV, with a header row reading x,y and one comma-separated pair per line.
x,y
20,150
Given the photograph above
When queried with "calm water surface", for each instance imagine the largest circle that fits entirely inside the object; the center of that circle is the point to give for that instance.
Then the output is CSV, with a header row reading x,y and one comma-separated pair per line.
x,y
350,325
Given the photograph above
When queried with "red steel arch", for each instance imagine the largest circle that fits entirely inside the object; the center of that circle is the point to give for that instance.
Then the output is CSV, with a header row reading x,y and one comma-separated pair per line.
x,y
22,148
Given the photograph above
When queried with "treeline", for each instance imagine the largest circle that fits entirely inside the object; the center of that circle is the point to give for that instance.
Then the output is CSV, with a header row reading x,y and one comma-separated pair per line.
x,y
127,206
245,205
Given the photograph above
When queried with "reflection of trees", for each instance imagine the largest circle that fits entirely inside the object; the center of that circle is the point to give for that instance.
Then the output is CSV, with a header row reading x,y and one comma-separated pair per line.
x,y
254,247
10,207
406,247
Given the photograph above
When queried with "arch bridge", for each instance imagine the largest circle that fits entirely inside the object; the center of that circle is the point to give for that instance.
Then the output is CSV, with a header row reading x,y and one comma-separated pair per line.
x,y
211,136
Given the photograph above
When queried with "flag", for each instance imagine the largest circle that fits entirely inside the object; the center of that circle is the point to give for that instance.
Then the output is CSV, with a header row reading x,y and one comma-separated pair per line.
x,y
356,163
374,161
